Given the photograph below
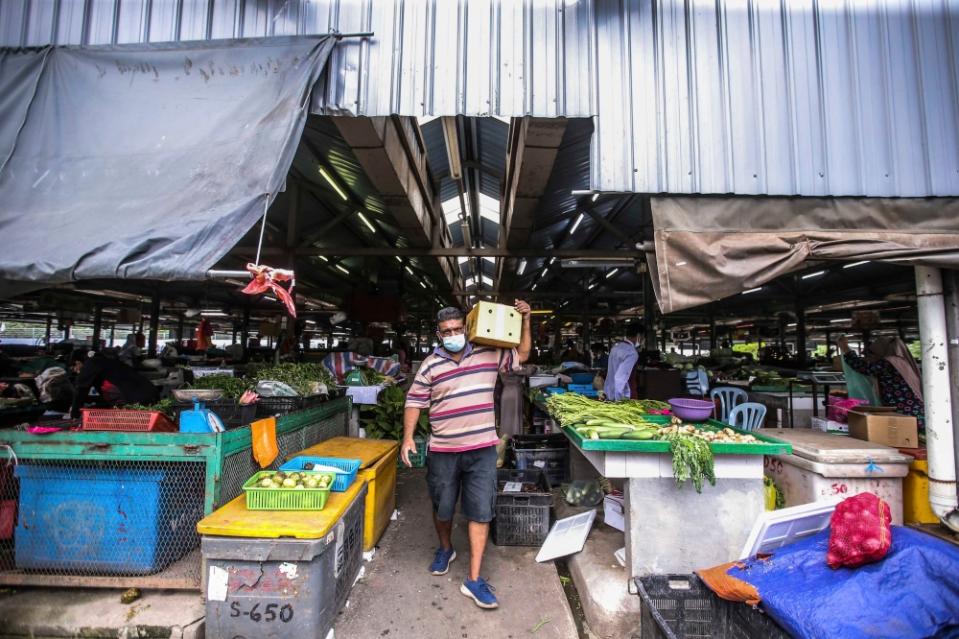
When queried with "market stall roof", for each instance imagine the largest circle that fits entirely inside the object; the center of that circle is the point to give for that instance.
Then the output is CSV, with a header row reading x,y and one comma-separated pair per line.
x,y
146,161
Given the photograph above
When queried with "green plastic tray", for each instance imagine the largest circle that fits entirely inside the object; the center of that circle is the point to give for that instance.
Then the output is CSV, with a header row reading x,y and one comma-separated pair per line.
x,y
766,445
285,498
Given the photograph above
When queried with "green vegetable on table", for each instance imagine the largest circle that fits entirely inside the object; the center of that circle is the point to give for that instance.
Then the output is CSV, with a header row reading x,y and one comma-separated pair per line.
x,y
692,459
164,406
303,378
572,408
232,387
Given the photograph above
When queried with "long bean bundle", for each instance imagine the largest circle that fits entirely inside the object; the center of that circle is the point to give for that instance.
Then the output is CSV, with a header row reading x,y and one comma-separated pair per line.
x,y
572,408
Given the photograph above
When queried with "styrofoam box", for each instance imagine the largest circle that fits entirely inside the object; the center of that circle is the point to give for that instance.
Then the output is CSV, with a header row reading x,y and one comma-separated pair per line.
x,y
803,481
828,425
614,512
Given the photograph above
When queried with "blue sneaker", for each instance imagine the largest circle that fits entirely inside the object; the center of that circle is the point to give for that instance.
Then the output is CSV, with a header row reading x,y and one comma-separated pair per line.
x,y
441,563
481,593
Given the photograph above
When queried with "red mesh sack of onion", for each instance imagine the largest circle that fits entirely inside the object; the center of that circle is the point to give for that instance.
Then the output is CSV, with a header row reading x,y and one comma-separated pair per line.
x,y
860,531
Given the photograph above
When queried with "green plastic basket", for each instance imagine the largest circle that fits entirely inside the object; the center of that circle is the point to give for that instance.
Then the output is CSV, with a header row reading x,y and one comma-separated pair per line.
x,y
417,459
285,498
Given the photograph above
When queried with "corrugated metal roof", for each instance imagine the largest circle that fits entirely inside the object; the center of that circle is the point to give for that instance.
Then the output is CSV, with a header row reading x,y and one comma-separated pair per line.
x,y
797,97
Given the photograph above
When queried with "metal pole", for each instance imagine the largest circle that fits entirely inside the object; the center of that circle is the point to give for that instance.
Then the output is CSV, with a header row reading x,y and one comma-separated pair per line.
x,y
951,281
245,332
97,326
154,325
179,331
712,335
113,334
936,393
801,335
649,314
49,329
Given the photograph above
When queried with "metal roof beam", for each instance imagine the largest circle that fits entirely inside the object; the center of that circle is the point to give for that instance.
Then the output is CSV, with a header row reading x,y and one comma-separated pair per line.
x,y
448,251
531,153
392,152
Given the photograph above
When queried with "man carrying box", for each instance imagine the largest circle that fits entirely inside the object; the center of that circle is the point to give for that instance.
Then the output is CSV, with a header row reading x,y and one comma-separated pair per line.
x,y
456,383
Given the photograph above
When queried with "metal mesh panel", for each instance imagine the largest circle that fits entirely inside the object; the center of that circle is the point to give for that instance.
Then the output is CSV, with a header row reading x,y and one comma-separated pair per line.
x,y
239,467
105,522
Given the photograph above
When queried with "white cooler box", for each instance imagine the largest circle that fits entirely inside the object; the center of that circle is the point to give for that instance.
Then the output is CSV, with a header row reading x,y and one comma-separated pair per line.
x,y
826,467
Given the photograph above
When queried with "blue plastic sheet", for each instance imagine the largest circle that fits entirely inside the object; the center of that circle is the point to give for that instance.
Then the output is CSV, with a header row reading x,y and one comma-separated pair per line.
x,y
913,592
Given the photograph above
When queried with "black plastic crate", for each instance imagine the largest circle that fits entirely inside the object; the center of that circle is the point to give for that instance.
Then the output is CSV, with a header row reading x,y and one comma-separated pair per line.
x,y
230,411
269,406
549,452
522,518
683,607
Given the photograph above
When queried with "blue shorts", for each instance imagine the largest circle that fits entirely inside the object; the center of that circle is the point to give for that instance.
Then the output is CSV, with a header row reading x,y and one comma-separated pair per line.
x,y
472,473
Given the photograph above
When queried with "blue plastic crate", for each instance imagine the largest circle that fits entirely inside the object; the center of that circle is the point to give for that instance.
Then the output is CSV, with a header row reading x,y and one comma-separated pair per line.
x,y
582,378
342,482
583,389
92,519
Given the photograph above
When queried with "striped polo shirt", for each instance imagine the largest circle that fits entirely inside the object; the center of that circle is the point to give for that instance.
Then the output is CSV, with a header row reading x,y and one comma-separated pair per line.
x,y
459,396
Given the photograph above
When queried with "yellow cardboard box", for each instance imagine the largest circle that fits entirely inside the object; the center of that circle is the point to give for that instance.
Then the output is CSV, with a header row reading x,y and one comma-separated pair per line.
x,y
496,325
883,425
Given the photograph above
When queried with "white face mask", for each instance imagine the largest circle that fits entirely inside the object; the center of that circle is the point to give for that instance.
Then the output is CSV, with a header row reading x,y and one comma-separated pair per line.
x,y
454,343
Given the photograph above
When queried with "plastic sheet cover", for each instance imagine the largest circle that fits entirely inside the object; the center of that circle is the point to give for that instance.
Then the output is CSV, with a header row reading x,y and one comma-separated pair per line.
x,y
710,248
912,593
144,161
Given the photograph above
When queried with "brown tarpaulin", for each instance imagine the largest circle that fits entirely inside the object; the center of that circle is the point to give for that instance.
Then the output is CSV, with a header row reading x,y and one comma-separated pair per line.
x,y
710,248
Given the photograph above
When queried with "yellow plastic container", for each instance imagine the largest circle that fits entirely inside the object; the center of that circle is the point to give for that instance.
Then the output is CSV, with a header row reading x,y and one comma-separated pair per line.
x,y
380,497
915,495
234,519
368,451
496,325
377,468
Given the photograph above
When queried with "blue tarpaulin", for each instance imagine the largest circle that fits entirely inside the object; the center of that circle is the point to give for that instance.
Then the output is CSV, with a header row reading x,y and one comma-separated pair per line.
x,y
912,592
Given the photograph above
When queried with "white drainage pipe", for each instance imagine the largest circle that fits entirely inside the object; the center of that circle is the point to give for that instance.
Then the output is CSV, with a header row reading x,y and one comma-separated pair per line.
x,y
936,391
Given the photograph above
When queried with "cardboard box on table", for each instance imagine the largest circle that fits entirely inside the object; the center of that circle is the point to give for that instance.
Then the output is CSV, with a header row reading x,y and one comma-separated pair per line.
x,y
883,425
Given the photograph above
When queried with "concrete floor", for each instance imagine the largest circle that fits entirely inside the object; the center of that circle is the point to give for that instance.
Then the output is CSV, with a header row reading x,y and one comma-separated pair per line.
x,y
398,598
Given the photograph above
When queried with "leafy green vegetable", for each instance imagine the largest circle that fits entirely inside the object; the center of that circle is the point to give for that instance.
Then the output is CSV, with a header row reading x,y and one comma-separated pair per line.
x,y
232,387
692,459
301,377
164,406
387,416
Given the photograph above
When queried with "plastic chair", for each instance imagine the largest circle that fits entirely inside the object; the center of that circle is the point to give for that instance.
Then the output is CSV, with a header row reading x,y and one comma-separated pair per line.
x,y
729,398
697,383
751,414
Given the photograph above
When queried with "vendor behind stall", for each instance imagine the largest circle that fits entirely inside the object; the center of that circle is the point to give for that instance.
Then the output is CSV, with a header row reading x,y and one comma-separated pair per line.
x,y
622,360
897,375
117,383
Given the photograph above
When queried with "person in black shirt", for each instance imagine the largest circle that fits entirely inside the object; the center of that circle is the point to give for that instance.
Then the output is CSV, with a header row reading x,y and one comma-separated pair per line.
x,y
116,382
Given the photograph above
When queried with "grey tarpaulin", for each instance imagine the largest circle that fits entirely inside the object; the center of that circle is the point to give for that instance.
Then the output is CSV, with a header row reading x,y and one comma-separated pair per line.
x,y
144,161
710,248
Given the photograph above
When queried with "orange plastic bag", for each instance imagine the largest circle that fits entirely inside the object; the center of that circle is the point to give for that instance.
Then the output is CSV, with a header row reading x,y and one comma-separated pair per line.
x,y
265,449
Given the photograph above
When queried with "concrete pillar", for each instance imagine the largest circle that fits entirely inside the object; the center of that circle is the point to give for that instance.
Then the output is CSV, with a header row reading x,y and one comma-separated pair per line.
x,y
937,395
677,530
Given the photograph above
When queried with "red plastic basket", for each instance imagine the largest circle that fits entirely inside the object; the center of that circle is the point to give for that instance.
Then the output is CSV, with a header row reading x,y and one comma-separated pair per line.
x,y
118,419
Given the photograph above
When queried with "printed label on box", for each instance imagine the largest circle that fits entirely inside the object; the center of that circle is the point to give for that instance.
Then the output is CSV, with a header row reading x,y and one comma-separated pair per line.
x,y
217,584
513,487
539,463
